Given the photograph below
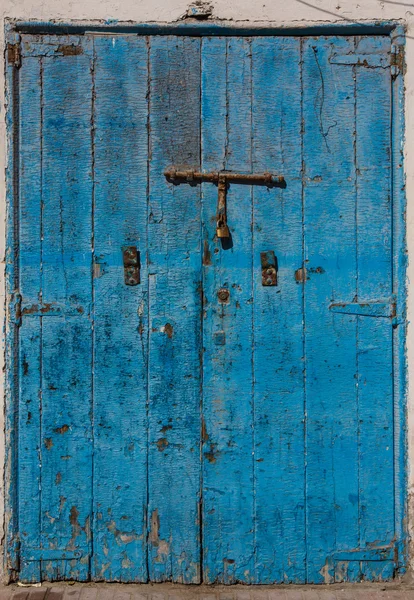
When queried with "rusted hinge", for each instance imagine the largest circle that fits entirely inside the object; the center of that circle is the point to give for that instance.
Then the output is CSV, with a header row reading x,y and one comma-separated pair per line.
x,y
14,56
19,308
394,60
368,554
15,309
376,308
371,61
34,554
397,60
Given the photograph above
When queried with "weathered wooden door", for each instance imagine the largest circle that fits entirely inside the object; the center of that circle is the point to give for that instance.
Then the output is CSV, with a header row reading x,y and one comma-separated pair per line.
x,y
199,425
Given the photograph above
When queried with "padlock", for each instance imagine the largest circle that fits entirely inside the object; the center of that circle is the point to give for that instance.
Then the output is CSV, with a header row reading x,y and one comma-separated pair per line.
x,y
222,229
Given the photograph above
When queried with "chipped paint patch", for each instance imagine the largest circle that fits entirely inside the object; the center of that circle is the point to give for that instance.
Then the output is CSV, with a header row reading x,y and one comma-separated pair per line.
x,y
163,550
154,528
325,572
124,537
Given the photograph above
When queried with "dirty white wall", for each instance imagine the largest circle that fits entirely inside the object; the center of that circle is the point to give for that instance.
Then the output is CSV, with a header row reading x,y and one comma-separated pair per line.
x,y
278,13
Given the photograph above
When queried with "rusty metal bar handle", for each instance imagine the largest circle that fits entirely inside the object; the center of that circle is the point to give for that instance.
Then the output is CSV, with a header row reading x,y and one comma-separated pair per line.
x,y
191,176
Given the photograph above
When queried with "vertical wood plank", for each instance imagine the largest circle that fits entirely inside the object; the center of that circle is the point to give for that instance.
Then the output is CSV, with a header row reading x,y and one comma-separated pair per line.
x,y
30,330
279,453
66,368
175,311
375,361
330,340
228,502
121,327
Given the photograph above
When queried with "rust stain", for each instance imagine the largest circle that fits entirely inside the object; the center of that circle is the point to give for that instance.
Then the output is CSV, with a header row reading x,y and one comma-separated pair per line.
x,y
48,443
62,429
162,444
76,528
35,308
301,275
29,310
69,50
58,478
169,330
206,254
166,428
212,454
73,517
154,536
318,270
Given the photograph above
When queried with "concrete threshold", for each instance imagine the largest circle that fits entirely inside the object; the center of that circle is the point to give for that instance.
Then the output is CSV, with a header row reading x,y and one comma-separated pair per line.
x,y
116,591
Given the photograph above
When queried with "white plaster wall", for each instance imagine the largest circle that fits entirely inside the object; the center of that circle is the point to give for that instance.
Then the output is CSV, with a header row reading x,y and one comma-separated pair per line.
x,y
278,13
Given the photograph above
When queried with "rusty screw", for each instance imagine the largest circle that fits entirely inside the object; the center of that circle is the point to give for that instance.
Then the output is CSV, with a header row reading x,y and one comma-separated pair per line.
x,y
223,295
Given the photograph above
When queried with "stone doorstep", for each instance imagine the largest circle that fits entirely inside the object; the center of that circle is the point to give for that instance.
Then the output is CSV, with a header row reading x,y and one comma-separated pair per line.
x,y
114,591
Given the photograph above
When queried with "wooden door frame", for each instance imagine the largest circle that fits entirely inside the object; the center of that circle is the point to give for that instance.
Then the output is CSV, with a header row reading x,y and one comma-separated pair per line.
x,y
192,27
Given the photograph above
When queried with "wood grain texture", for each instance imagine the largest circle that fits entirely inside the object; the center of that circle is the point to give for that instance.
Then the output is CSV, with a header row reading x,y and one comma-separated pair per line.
x,y
30,331
66,369
330,339
121,311
228,501
375,361
174,222
279,453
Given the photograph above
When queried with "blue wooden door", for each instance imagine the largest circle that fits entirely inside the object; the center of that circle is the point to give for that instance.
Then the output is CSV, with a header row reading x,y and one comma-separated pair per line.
x,y
168,431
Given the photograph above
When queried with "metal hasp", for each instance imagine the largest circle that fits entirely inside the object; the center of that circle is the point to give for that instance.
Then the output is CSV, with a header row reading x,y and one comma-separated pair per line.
x,y
132,265
269,268
223,179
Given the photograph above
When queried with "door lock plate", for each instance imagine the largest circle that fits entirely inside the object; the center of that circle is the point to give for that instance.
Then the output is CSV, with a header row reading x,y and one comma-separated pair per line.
x,y
269,268
132,265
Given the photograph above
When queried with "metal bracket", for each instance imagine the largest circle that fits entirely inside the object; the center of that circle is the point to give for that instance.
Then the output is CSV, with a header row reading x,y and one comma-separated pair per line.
x,y
397,59
269,268
132,265
223,179
14,56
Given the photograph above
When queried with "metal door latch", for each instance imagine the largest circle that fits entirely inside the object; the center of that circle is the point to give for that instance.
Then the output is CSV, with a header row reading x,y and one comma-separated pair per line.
x,y
269,268
223,179
132,265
